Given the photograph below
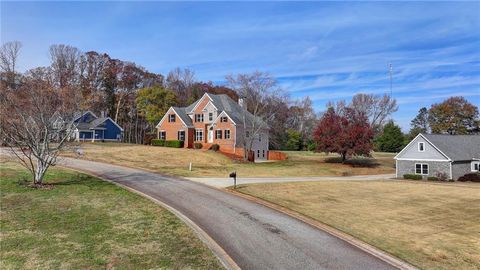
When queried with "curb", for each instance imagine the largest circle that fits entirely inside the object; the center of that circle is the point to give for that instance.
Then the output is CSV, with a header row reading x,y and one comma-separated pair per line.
x,y
380,254
216,249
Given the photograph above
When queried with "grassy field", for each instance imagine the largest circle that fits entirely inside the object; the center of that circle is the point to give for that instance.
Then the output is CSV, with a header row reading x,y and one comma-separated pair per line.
x,y
207,163
86,223
432,226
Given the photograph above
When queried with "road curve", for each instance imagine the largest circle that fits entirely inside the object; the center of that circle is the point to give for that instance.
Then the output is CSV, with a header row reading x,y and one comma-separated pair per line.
x,y
255,236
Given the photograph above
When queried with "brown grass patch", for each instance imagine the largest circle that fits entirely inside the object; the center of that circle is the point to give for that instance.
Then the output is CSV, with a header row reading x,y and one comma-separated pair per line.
x,y
433,226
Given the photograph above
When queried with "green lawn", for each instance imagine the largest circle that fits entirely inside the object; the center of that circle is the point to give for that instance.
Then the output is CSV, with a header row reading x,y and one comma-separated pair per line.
x,y
432,226
205,163
87,223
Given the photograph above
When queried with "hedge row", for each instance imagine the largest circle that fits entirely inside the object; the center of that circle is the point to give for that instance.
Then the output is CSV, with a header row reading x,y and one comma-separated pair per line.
x,y
412,176
474,177
171,143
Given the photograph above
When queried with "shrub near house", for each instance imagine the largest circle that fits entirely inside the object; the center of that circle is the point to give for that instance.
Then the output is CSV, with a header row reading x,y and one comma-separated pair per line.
x,y
213,119
172,143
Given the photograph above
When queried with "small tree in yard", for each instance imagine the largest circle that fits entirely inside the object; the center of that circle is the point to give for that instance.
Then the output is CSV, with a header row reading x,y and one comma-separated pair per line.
x,y
346,134
37,123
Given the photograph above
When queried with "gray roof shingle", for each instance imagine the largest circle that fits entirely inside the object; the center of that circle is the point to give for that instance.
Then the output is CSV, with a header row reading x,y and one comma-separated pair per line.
x,y
222,103
182,113
457,147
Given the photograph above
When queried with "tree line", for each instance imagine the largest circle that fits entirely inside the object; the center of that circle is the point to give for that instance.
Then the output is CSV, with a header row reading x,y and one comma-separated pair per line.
x,y
136,99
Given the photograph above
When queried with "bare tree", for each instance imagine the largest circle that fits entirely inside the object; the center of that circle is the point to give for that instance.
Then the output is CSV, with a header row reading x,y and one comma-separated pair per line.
x,y
260,97
65,64
131,79
9,53
37,123
302,117
376,108
180,81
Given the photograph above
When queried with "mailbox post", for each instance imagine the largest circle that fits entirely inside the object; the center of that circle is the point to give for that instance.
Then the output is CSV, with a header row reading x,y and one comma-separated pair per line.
x,y
234,176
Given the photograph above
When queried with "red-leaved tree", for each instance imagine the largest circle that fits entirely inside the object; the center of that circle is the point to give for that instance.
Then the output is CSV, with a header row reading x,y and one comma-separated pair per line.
x,y
347,134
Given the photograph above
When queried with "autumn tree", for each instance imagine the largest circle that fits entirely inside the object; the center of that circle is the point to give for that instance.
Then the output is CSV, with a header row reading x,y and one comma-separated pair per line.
x,y
453,116
347,134
92,65
391,139
9,53
200,88
153,103
37,123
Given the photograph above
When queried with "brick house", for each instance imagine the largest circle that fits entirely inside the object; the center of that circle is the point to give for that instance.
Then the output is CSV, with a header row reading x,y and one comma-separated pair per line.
x,y
214,119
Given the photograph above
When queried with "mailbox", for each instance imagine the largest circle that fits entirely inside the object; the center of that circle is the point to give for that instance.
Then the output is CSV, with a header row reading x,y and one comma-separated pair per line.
x,y
234,176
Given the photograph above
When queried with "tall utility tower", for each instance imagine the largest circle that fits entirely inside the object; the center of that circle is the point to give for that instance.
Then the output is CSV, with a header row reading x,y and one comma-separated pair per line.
x,y
390,71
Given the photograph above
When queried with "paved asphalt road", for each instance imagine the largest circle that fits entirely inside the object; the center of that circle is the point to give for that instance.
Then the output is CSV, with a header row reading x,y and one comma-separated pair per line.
x,y
226,182
255,236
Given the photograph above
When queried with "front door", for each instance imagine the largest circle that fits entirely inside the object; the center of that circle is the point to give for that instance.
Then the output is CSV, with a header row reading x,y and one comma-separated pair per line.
x,y
210,135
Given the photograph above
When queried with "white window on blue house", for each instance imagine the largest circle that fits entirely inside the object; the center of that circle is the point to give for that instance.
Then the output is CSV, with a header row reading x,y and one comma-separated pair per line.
x,y
421,168
421,147
475,166
162,135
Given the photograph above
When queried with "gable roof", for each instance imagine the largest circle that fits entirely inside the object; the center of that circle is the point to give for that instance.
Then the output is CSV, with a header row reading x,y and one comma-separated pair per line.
x,y
93,124
456,147
78,115
181,113
222,103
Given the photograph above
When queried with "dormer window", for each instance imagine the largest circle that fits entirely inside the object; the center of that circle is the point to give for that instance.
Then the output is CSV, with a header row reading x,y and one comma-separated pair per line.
x,y
199,117
171,118
421,147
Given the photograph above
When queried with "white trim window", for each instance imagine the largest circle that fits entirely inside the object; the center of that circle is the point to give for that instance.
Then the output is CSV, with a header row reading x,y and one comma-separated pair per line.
x,y
210,116
162,135
218,134
199,135
475,166
199,117
181,135
223,119
421,147
421,168
171,118
227,134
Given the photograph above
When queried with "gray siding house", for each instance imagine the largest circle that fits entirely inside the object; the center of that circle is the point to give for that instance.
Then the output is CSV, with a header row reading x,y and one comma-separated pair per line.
x,y
431,154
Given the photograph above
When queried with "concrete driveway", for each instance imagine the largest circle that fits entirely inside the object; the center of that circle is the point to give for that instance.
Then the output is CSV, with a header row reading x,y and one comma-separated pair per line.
x,y
255,236
226,182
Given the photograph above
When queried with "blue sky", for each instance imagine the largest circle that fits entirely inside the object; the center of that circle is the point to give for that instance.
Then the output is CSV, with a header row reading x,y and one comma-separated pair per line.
x,y
326,50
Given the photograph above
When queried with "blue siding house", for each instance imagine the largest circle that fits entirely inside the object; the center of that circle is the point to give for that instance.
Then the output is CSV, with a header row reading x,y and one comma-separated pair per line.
x,y
90,127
